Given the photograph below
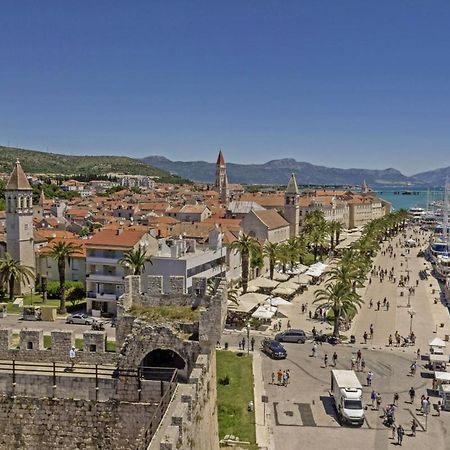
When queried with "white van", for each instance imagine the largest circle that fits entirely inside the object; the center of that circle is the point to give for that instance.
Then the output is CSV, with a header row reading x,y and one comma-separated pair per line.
x,y
347,393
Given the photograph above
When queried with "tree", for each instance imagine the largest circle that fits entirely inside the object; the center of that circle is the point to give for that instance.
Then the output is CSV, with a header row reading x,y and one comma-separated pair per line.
x,y
341,298
12,272
61,251
270,251
245,245
316,230
232,295
334,229
135,259
256,259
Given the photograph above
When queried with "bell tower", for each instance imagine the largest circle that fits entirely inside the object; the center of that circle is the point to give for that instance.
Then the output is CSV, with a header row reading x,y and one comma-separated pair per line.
x,y
291,210
221,183
19,221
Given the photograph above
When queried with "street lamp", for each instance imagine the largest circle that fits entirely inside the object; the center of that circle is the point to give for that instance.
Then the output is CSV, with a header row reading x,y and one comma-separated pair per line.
x,y
412,313
248,337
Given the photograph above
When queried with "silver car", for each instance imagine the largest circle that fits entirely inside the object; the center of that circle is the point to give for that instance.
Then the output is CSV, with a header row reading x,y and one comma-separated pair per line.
x,y
297,336
81,319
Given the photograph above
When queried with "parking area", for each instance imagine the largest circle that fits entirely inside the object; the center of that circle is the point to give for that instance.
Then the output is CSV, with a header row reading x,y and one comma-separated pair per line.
x,y
303,413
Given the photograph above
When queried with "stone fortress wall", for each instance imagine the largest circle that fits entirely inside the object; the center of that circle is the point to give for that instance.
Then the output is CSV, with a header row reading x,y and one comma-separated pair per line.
x,y
68,411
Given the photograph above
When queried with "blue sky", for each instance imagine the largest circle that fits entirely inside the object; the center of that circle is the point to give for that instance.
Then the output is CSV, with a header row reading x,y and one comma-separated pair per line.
x,y
339,83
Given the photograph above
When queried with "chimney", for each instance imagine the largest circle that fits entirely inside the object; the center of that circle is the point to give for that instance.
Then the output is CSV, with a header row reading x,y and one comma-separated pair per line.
x,y
119,231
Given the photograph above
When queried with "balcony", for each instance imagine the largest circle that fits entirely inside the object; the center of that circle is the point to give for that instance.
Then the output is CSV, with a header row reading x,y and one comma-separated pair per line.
x,y
100,277
99,296
106,260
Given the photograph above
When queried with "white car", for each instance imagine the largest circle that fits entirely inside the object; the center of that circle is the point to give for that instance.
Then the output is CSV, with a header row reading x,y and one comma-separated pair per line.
x,y
82,319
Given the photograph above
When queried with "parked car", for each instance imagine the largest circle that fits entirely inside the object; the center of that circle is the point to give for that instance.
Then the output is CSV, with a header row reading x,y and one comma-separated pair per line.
x,y
273,349
82,319
297,336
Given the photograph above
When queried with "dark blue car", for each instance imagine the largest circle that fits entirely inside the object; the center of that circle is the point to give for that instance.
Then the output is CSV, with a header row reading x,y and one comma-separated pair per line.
x,y
273,349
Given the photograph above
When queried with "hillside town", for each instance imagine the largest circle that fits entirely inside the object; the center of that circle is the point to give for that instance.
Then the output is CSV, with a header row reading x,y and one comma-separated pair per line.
x,y
187,303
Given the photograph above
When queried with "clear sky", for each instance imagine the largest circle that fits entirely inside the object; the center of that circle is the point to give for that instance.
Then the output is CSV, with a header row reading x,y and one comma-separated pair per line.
x,y
340,83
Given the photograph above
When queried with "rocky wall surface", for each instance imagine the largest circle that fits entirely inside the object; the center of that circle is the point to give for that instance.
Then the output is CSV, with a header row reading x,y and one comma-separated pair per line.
x,y
34,423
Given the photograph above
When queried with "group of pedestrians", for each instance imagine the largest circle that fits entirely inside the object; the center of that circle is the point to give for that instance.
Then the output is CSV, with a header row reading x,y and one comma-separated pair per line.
x,y
282,377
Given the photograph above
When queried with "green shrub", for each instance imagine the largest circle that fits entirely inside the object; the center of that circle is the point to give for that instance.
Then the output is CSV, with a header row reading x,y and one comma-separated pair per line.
x,y
75,290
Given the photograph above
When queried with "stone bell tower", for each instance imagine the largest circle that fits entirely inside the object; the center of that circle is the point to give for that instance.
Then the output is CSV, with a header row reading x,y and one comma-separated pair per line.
x,y
221,183
19,221
291,210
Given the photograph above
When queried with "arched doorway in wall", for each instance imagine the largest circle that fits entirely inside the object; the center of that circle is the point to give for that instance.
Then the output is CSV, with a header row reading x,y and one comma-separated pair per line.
x,y
163,358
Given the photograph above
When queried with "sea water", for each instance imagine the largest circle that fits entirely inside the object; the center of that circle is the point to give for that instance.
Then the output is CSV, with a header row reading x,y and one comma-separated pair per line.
x,y
414,198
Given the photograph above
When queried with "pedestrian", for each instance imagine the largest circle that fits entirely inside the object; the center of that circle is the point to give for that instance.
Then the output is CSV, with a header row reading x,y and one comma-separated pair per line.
x,y
253,343
378,401
363,365
370,303
288,376
279,376
413,427
394,430
400,434
387,306
390,340
358,355
413,368
314,350
288,325
310,314
335,357
353,363
396,397
371,330
378,305
418,354
438,408
373,397
273,377
240,344
365,337
369,378
285,378
72,356
279,325
325,360
243,343
412,394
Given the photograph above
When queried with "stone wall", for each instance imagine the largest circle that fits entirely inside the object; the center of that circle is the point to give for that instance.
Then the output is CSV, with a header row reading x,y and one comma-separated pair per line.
x,y
191,420
31,347
34,423
82,387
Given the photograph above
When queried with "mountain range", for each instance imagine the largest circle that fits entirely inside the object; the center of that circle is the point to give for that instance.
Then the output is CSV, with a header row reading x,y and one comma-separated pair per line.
x,y
277,172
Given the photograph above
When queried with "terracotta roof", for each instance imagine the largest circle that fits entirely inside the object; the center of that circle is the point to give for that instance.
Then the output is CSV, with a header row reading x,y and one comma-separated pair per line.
x,y
116,238
18,180
79,242
274,200
49,234
77,212
271,219
192,209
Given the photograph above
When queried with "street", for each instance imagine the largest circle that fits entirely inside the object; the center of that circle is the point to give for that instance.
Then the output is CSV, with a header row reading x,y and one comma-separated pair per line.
x,y
15,322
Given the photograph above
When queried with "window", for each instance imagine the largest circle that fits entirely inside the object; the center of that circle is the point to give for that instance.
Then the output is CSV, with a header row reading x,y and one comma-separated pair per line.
x,y
29,346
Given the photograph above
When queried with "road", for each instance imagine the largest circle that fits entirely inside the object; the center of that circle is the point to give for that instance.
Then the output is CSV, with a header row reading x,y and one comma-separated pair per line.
x,y
15,322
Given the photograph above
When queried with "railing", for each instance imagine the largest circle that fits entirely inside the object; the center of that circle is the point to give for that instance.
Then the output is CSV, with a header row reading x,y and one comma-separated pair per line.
x,y
96,372
160,411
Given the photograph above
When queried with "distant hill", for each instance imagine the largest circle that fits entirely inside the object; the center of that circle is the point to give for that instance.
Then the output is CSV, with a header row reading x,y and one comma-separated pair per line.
x,y
434,177
52,163
278,171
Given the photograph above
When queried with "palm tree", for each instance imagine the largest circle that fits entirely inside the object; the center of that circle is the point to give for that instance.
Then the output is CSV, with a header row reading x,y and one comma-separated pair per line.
x,y
245,245
136,259
334,229
232,295
61,251
12,272
342,300
270,251
317,237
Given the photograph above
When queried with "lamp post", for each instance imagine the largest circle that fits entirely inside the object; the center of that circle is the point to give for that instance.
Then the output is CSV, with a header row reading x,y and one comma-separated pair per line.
x,y
412,313
248,338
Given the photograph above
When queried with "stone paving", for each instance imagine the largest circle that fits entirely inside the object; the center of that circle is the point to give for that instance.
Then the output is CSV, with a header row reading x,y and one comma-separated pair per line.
x,y
301,414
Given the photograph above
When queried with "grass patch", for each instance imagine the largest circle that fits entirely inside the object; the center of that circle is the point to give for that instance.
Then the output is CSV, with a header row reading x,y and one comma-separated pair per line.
x,y
47,341
234,391
166,313
79,344
110,346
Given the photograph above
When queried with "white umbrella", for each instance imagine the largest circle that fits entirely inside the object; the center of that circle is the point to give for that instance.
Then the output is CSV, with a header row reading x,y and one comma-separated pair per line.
x,y
277,301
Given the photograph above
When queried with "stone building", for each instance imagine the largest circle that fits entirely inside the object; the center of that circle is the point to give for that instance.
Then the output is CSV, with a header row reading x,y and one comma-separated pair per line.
x,y
19,222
